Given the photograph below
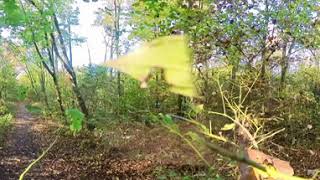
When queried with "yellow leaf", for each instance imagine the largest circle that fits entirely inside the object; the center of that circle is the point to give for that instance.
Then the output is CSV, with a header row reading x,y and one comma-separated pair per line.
x,y
198,108
170,54
108,20
273,173
228,127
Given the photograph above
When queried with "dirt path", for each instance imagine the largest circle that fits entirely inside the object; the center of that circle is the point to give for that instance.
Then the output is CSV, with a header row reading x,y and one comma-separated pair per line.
x,y
20,148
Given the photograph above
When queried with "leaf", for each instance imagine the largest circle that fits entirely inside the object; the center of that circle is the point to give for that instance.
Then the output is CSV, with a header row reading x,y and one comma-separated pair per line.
x,y
228,127
76,118
196,139
167,119
170,54
169,123
274,174
194,136
198,108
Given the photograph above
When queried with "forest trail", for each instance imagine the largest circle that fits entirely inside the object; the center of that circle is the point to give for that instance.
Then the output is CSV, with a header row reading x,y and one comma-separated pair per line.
x,y
20,147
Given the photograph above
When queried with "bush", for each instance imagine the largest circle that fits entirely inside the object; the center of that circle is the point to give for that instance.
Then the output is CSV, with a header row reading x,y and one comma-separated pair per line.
x,y
5,124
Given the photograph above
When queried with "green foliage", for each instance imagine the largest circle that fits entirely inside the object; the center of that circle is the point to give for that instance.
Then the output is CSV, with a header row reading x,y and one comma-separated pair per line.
x,y
21,92
3,108
75,118
5,120
13,15
8,83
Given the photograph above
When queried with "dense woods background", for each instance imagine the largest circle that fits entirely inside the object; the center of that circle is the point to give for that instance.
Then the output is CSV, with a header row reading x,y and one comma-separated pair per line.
x,y
255,64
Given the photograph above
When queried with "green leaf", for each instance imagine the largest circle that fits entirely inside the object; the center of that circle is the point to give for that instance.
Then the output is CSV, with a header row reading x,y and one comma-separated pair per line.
x,y
170,54
76,118
169,123
168,120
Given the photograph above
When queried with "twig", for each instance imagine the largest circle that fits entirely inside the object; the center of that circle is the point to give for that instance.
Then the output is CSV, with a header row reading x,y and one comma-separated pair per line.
x,y
38,159
234,156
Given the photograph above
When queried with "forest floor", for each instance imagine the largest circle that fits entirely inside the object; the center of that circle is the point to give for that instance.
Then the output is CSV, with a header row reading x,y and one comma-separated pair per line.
x,y
123,151
119,155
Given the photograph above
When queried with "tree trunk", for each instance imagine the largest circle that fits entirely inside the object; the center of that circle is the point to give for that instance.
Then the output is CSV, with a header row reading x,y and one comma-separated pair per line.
x,y
59,97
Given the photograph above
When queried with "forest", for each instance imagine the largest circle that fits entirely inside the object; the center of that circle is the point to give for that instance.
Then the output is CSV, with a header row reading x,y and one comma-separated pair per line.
x,y
160,89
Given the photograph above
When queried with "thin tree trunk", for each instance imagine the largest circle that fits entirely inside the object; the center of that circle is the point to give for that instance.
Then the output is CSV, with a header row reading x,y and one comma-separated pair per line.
x,y
284,67
111,54
43,86
117,9
32,81
89,55
70,45
69,68
52,73
234,72
285,63
106,43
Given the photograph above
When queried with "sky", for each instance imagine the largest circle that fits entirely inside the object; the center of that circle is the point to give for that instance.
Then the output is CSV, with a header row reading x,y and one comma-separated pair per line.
x,y
92,33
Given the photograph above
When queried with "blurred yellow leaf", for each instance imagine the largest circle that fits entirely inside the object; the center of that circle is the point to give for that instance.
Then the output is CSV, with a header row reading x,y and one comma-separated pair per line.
x,y
274,174
171,54
108,20
198,108
228,127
